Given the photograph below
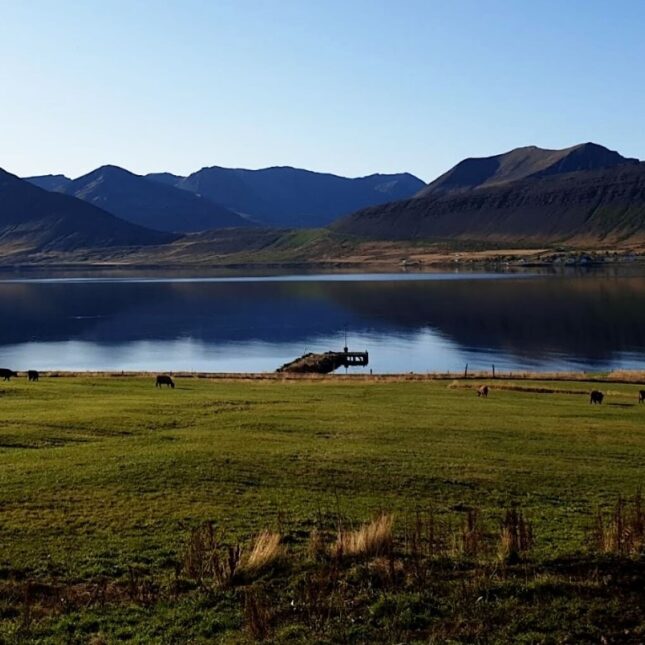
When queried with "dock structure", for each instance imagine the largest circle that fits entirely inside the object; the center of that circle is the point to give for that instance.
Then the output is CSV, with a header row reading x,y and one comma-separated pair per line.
x,y
325,363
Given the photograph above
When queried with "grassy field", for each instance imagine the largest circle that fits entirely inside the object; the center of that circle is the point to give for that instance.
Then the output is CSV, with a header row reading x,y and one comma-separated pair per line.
x,y
104,481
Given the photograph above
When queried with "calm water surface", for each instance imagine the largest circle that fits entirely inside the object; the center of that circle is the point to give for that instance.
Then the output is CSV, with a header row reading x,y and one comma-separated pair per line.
x,y
591,320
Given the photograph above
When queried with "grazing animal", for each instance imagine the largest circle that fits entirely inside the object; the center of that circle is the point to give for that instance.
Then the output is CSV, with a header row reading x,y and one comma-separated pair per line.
x,y
483,391
641,396
164,379
33,375
596,397
7,374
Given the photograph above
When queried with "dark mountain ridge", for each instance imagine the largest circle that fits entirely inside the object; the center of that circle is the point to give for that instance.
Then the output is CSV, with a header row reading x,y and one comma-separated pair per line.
x,y
523,163
54,183
143,202
283,196
606,204
36,220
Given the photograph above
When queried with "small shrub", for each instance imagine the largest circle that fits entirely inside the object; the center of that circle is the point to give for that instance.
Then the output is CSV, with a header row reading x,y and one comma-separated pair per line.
x,y
257,614
515,537
624,533
208,561
142,589
471,542
316,547
428,536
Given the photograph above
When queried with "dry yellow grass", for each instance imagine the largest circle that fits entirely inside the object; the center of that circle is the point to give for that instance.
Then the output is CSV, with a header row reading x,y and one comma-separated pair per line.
x,y
266,550
374,538
627,376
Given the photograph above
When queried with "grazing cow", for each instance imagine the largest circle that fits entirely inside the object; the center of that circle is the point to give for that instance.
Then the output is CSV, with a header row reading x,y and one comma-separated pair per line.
x,y
33,375
596,397
641,396
483,391
164,379
6,374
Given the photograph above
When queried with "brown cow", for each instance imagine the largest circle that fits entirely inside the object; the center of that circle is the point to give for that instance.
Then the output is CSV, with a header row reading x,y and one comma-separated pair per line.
x,y
483,391
164,379
641,396
596,397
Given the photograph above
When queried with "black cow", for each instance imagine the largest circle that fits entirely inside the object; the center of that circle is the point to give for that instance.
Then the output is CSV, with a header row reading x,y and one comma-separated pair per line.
x,y
164,379
596,397
33,375
6,374
641,396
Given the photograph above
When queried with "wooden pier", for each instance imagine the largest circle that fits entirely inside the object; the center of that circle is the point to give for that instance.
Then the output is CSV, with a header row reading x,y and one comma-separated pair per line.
x,y
325,363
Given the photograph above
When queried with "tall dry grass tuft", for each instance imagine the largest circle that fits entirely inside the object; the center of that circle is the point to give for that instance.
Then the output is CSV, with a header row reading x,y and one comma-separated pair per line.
x,y
266,550
515,537
624,533
372,539
471,538
207,561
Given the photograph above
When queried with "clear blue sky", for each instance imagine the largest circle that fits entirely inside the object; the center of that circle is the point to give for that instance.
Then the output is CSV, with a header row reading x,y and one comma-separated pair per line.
x,y
345,86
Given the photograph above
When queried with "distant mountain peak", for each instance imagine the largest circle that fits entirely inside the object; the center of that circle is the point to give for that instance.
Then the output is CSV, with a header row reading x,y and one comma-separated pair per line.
x,y
108,170
110,167
523,163
155,205
33,219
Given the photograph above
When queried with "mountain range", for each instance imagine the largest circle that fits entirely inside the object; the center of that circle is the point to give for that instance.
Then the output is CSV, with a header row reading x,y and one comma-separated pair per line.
x,y
35,220
527,195
583,195
286,197
225,197
140,201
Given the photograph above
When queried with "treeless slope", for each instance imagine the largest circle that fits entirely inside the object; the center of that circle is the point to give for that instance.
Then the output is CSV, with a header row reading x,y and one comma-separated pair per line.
x,y
151,204
33,219
522,163
54,183
292,197
597,205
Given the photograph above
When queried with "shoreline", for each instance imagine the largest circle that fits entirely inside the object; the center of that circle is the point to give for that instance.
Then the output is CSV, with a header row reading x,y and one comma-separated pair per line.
x,y
361,266
366,267
360,256
617,376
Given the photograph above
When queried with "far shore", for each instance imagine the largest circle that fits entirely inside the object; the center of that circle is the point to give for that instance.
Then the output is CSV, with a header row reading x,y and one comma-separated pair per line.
x,y
359,256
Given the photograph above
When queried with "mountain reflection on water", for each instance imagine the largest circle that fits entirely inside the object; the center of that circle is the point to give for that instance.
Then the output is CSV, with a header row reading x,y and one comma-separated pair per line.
x,y
418,322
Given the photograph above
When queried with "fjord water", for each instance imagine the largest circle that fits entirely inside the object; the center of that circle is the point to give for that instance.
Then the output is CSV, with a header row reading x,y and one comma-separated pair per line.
x,y
590,320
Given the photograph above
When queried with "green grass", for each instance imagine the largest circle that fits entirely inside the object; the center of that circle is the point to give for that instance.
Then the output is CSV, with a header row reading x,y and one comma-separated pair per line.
x,y
98,475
